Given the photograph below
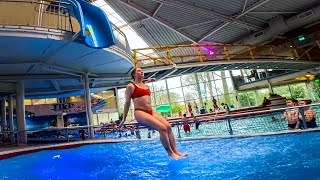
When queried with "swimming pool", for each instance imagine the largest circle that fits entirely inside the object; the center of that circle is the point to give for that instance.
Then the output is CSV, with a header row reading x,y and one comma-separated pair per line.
x,y
290,156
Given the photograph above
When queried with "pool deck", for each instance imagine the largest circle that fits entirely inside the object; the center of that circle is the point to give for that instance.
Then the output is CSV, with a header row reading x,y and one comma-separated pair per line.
x,y
8,151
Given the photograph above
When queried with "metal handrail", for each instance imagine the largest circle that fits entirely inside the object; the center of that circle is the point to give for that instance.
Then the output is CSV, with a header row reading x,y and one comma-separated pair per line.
x,y
59,14
207,52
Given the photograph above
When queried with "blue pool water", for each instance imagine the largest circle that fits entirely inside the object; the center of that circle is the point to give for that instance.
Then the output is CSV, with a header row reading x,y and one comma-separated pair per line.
x,y
294,156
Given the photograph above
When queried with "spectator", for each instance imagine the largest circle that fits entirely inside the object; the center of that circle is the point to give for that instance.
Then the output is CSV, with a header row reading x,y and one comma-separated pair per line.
x,y
215,105
291,115
309,114
265,102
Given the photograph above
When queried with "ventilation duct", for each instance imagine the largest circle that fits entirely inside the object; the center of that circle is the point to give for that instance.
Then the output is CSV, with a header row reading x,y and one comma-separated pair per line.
x,y
280,25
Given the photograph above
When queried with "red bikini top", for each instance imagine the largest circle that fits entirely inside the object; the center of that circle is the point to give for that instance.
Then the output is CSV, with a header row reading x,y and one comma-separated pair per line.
x,y
139,92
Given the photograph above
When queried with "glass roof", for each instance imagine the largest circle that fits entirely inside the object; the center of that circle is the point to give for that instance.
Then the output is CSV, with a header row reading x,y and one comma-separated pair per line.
x,y
135,41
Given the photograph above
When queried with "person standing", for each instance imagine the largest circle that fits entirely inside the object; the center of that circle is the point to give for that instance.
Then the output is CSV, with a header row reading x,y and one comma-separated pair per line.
x,y
189,108
215,105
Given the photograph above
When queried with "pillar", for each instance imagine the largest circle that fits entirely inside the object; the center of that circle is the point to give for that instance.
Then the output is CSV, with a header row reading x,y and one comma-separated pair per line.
x,y
87,99
10,113
270,87
117,101
237,99
258,100
168,94
20,112
199,91
3,114
225,88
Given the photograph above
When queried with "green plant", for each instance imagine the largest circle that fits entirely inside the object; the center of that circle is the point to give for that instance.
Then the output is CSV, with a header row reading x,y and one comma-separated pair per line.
x,y
120,115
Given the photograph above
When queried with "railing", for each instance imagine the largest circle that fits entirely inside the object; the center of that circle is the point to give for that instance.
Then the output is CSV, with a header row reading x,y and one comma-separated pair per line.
x,y
122,41
259,122
179,54
37,13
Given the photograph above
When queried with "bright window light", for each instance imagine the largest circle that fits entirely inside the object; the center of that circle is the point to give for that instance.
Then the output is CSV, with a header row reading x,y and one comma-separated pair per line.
x,y
134,40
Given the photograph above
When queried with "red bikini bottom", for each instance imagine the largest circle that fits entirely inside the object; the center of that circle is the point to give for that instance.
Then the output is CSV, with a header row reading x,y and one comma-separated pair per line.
x,y
146,111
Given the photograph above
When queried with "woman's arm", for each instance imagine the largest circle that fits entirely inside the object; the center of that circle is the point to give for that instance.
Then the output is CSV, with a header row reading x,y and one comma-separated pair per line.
x,y
129,91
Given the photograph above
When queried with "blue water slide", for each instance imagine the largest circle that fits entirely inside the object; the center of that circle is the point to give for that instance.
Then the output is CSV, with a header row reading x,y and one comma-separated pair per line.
x,y
96,29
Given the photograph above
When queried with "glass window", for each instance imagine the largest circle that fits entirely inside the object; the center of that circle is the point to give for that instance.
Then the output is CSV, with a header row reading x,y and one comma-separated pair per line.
x,y
176,95
176,107
299,91
226,74
282,91
243,99
150,85
51,101
217,75
121,93
161,97
205,76
173,82
210,89
219,87
159,85
26,102
190,93
230,85
188,79
262,93
152,99
252,98
236,72
38,101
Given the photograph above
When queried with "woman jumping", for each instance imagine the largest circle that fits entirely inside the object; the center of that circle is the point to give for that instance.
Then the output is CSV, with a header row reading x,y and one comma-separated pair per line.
x,y
140,94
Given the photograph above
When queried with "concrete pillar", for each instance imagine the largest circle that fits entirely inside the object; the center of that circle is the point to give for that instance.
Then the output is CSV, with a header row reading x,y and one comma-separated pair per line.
x,y
3,115
10,106
88,104
20,112
270,87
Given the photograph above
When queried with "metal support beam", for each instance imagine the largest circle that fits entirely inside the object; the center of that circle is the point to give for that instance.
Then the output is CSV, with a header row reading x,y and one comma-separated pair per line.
x,y
131,23
254,6
158,8
184,70
35,76
160,20
56,85
151,74
166,73
199,69
187,6
200,23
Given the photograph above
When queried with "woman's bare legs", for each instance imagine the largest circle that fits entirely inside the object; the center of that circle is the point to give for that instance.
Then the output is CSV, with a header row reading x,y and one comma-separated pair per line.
x,y
169,131
150,121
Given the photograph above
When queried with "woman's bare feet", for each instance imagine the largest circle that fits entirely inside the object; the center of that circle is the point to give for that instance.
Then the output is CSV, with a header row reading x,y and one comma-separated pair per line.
x,y
175,156
181,154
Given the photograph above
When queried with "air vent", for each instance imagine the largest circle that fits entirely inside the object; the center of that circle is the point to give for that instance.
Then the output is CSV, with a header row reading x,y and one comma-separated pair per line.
x,y
260,33
305,14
